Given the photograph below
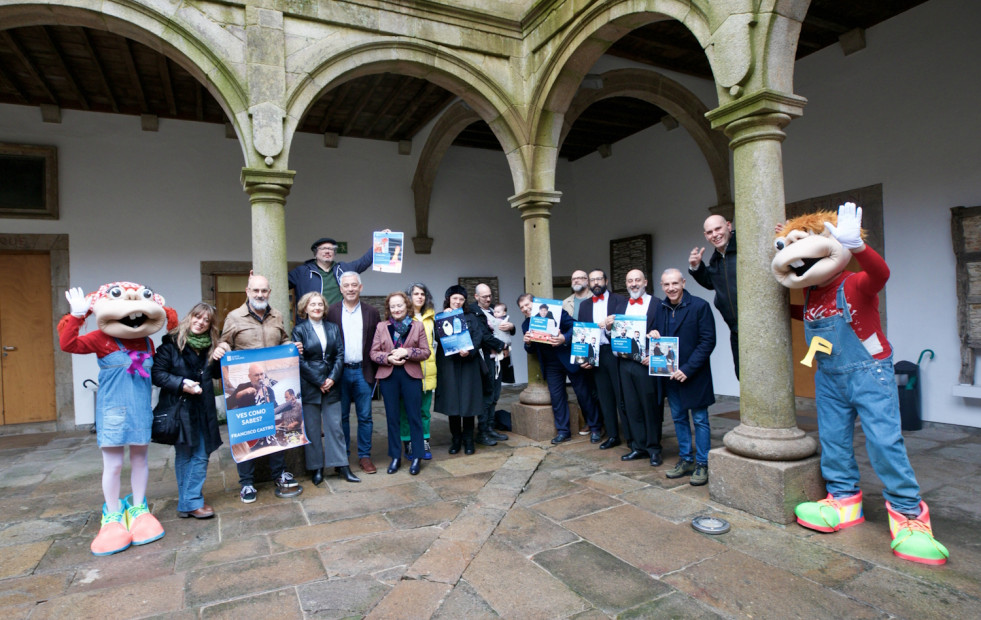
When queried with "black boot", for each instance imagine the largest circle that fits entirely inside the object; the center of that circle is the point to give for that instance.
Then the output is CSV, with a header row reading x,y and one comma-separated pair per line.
x,y
468,444
345,472
317,477
455,443
485,440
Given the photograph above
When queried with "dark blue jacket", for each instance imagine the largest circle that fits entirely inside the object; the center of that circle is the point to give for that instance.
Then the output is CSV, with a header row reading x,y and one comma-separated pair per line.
x,y
547,354
694,326
306,277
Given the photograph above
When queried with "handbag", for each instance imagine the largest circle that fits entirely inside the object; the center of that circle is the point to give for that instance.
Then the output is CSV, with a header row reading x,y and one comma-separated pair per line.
x,y
166,421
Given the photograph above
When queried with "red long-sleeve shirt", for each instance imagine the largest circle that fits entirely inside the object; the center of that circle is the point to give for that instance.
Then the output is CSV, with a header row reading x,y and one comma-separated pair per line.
x,y
861,295
94,342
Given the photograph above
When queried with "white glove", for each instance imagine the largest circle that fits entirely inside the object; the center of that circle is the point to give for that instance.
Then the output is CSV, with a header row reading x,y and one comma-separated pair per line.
x,y
849,229
78,301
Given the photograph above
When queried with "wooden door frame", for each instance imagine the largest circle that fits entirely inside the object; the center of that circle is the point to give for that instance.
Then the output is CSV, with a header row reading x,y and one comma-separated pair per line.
x,y
55,246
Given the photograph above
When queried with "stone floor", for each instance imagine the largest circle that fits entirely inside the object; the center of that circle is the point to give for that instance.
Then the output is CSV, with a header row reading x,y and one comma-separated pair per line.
x,y
520,530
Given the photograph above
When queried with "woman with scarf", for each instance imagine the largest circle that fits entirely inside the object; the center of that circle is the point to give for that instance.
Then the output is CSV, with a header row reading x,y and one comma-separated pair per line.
x,y
422,310
182,368
398,348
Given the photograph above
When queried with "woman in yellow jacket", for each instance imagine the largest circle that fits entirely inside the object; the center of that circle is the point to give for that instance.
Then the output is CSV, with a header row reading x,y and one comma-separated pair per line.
x,y
423,311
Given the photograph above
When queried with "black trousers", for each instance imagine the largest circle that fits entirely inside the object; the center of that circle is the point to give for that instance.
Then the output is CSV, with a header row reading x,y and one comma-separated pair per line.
x,y
607,379
401,385
645,406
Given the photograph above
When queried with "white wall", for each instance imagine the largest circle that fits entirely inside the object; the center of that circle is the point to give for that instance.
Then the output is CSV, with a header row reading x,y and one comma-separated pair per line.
x,y
149,207
903,112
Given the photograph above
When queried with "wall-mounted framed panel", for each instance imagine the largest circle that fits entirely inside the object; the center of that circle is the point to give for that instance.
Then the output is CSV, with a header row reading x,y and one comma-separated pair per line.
x,y
28,181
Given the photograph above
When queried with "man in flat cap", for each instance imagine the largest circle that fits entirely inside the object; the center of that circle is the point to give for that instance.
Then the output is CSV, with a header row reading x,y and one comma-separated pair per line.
x,y
322,274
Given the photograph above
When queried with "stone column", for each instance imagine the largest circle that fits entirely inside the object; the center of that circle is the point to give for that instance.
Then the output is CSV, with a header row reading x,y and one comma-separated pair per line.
x,y
764,466
533,416
267,191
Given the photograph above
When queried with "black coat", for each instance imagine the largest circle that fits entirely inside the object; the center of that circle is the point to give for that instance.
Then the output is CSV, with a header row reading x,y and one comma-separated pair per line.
x,y
460,387
694,326
720,276
170,368
316,366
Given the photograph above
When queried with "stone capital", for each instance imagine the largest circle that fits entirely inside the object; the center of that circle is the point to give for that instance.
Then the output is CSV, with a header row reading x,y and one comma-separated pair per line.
x,y
269,184
760,103
535,202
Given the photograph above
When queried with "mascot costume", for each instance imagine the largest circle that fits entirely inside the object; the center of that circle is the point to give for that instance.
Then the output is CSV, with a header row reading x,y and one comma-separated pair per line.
x,y
854,377
126,315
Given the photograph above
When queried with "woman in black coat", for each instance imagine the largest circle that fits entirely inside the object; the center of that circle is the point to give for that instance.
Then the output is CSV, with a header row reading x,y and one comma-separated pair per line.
x,y
460,390
182,368
321,366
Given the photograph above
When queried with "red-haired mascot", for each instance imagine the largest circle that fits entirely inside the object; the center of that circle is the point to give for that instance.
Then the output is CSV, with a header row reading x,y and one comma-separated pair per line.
x,y
126,315
854,377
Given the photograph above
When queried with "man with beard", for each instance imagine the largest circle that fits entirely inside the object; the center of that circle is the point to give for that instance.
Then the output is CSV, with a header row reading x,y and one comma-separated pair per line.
x,y
600,310
641,393
580,293
720,275
255,325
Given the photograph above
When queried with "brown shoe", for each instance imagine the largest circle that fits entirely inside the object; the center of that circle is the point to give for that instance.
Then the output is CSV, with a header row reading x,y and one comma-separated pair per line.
x,y
366,465
204,512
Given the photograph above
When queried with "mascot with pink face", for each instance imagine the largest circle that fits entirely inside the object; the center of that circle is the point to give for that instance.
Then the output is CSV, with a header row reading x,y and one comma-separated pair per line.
x,y
126,315
854,377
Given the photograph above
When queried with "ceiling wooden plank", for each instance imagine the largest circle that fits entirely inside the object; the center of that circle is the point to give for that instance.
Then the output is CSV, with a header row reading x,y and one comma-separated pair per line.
x,y
59,56
365,100
434,110
385,109
168,87
425,89
101,70
12,85
7,37
198,101
134,75
341,93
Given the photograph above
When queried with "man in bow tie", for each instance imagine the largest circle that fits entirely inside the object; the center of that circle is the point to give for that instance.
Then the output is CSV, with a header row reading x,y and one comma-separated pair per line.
x,y
641,392
600,310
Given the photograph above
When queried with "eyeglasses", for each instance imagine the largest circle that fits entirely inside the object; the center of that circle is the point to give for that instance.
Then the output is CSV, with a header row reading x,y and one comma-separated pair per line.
x,y
329,248
261,291
597,279
580,278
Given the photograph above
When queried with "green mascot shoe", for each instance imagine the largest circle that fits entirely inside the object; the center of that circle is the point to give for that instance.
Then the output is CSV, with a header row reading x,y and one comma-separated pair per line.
x,y
912,539
830,514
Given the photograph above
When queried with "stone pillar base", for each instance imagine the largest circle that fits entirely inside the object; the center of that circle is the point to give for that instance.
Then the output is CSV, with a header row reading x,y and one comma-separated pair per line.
x,y
767,489
537,422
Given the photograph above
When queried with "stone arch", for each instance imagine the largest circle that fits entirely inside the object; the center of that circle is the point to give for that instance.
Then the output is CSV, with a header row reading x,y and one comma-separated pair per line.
x,y
673,98
489,101
457,117
185,35
584,41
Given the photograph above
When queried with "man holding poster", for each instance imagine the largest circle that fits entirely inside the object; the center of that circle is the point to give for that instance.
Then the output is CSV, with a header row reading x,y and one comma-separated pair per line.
x,y
256,325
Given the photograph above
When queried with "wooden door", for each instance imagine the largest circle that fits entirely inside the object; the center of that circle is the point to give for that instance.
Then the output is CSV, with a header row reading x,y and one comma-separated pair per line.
x,y
27,386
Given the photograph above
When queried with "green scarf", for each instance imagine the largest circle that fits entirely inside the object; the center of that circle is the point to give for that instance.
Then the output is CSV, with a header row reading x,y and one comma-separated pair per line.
x,y
199,342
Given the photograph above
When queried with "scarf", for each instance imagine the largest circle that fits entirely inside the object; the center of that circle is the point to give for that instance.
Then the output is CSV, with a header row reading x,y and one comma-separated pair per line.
x,y
199,342
401,329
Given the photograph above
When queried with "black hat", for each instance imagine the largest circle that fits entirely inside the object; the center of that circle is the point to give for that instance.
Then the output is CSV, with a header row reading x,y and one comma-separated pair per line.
x,y
320,242
456,289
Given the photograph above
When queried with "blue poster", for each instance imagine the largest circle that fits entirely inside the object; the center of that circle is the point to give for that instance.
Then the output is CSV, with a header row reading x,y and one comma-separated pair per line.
x,y
454,336
263,404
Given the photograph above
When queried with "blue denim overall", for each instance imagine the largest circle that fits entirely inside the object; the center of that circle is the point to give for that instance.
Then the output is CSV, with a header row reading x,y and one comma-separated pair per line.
x,y
850,381
122,410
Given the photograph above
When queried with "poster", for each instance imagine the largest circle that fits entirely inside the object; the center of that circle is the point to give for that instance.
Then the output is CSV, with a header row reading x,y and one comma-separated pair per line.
x,y
454,335
262,400
544,322
387,251
628,336
664,357
585,343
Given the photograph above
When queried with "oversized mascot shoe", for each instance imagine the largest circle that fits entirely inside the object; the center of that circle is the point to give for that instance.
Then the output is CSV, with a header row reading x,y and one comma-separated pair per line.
x,y
830,514
912,539
142,525
113,537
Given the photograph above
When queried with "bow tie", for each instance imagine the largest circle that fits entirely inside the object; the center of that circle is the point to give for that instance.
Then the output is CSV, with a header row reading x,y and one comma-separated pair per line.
x,y
598,297
639,300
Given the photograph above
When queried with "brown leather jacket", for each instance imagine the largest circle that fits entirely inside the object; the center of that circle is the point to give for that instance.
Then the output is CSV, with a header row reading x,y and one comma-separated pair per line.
x,y
244,330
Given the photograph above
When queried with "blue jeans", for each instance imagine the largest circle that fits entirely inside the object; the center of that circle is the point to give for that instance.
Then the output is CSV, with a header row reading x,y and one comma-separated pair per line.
x,y
191,466
700,418
355,388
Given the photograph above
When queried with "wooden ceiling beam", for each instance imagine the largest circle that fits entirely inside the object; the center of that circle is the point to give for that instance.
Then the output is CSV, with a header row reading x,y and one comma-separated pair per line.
x,y
365,100
432,112
59,56
168,87
12,85
7,37
421,94
87,44
339,93
134,75
392,99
